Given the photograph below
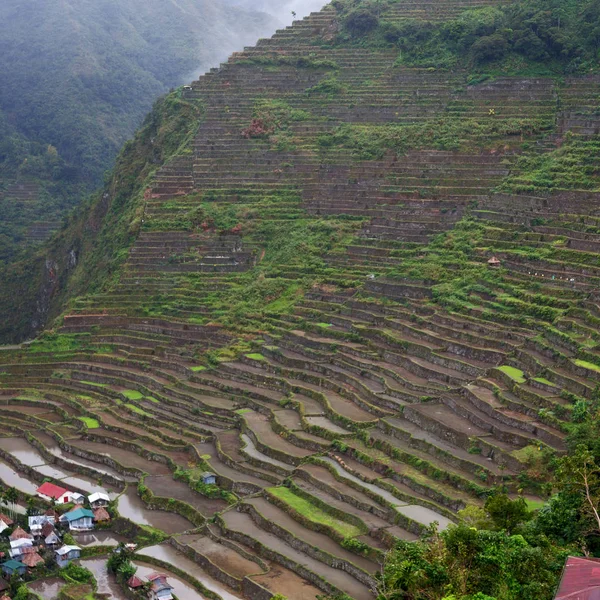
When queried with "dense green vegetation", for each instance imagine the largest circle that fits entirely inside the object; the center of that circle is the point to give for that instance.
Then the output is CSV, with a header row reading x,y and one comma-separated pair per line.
x,y
546,35
574,165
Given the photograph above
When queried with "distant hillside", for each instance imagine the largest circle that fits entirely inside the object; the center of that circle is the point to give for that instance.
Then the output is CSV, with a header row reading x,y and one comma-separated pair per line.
x,y
80,75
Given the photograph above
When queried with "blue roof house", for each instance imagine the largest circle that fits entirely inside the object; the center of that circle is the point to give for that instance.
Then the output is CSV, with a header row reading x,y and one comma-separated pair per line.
x,y
13,566
80,519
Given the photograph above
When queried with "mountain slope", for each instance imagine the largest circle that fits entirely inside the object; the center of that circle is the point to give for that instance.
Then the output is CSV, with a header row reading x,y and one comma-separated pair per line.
x,y
78,78
360,289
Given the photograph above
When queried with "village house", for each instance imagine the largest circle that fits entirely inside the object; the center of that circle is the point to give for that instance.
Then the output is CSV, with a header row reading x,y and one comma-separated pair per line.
x,y
208,478
80,519
98,499
52,516
50,536
494,263
10,567
32,560
78,498
20,547
54,493
135,583
66,554
160,588
37,522
19,534
5,523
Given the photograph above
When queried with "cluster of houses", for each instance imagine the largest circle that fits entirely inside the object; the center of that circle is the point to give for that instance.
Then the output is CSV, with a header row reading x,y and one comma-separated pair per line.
x,y
159,589
45,530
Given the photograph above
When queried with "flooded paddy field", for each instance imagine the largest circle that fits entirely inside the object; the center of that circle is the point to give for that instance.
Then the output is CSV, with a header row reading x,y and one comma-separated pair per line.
x,y
131,507
168,554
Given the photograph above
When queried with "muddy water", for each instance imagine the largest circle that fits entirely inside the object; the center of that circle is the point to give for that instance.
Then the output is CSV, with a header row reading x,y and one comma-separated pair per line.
x,y
47,588
251,450
98,538
11,478
131,507
51,471
106,582
171,556
424,515
87,485
56,451
418,513
21,450
325,423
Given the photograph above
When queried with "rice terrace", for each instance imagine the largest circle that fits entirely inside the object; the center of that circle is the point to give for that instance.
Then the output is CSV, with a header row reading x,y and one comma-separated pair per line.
x,y
336,307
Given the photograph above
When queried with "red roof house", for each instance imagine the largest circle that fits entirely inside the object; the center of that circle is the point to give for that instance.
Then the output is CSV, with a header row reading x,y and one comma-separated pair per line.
x,y
50,491
19,534
32,559
580,579
6,519
135,582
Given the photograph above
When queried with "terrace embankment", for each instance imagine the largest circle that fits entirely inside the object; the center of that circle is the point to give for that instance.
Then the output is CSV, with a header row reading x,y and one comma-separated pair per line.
x,y
307,314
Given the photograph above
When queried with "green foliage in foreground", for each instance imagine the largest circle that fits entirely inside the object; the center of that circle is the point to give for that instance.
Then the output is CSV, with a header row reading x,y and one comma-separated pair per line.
x,y
460,562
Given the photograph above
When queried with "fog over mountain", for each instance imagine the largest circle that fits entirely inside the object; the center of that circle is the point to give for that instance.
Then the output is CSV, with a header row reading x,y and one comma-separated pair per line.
x,y
282,10
77,78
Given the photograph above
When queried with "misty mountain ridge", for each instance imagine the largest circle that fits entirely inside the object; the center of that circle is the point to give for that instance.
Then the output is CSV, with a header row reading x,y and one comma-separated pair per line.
x,y
78,77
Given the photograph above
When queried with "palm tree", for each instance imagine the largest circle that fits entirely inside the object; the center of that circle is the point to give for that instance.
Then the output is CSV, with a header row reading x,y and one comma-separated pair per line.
x,y
3,500
12,497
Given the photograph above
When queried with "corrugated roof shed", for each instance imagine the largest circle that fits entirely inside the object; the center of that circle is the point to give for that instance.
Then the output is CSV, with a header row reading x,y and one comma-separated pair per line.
x,y
580,579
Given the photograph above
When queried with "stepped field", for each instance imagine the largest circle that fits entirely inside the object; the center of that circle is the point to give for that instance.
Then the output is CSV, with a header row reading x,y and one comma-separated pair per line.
x,y
300,301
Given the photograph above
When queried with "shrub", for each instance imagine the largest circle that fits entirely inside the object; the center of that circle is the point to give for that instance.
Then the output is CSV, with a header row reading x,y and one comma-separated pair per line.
x,y
490,47
360,21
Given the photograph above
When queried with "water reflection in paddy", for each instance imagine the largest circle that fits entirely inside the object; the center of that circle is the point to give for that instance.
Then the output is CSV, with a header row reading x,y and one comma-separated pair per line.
x,y
12,478
131,507
107,585
21,449
98,538
47,589
169,555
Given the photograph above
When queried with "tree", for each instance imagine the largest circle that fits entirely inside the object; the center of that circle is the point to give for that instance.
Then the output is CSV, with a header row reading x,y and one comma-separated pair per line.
x,y
578,474
11,496
489,47
361,21
505,513
126,570
22,593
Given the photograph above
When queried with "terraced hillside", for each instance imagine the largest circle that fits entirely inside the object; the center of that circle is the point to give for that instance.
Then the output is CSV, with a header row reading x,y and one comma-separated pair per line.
x,y
309,313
